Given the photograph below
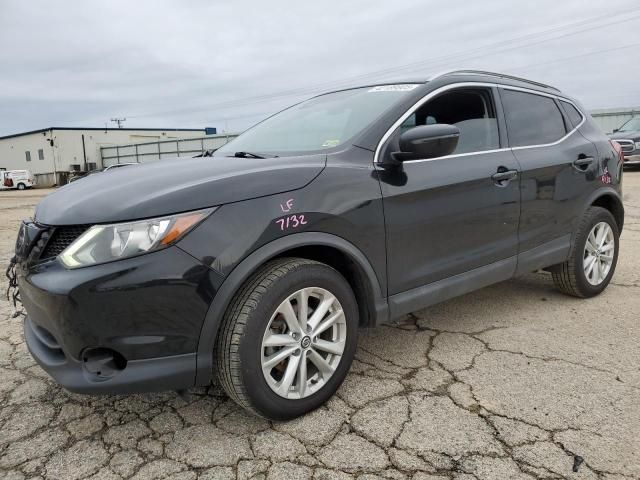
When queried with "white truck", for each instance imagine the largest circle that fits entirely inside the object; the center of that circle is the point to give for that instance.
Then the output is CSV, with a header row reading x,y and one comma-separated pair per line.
x,y
16,179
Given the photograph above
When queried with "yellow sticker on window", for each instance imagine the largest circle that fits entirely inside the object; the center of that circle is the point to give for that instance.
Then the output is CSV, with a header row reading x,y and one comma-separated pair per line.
x,y
331,143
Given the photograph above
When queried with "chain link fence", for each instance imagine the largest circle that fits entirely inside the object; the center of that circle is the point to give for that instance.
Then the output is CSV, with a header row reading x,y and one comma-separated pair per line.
x,y
152,151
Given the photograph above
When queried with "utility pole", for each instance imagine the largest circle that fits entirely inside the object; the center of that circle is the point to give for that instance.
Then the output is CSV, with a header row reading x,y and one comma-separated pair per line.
x,y
119,121
54,147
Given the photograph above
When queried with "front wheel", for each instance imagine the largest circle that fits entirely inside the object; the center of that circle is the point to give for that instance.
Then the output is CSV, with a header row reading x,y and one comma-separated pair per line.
x,y
593,257
288,338
21,186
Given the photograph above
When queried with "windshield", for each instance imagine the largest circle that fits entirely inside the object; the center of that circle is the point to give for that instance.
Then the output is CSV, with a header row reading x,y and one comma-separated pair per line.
x,y
632,125
320,123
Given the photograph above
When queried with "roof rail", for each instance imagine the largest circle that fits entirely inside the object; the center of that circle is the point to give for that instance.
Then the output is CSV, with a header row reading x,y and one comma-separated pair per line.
x,y
492,74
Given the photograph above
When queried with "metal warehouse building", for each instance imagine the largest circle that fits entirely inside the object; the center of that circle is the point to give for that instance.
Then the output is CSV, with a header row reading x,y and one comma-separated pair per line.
x,y
612,118
51,153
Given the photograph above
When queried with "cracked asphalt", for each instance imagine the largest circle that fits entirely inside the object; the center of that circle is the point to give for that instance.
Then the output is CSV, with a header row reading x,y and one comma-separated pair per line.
x,y
515,381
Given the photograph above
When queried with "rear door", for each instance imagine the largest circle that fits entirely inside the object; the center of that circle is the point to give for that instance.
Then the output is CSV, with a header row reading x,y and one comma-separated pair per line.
x,y
449,215
558,170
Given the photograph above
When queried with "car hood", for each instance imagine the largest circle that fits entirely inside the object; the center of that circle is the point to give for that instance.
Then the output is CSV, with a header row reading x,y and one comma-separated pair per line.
x,y
174,185
625,136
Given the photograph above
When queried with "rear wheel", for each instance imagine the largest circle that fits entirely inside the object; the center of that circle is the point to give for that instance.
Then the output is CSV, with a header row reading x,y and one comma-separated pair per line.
x,y
288,338
593,257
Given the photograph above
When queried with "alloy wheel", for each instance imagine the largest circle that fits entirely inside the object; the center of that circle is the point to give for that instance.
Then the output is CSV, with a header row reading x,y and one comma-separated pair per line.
x,y
303,343
599,252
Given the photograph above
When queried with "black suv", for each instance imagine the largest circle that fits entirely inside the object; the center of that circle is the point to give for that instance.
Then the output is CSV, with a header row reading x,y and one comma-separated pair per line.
x,y
256,266
628,136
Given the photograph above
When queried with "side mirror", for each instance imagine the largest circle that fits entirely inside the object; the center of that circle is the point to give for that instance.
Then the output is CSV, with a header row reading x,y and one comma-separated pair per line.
x,y
616,130
427,141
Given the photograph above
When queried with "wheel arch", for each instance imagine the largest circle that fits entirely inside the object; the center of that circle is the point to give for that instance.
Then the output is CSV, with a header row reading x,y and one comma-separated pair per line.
x,y
609,200
323,247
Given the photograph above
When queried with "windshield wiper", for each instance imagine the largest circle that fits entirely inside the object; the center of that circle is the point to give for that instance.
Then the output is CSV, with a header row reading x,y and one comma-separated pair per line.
x,y
251,155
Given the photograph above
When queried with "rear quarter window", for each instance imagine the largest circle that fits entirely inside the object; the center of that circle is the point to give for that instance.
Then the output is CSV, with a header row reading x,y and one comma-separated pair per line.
x,y
575,117
532,119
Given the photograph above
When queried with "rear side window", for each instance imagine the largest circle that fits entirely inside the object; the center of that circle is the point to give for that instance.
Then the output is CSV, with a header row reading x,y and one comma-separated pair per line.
x,y
575,117
532,119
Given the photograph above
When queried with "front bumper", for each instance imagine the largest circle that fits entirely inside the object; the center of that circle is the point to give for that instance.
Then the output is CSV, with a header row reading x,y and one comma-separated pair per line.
x,y
121,327
175,372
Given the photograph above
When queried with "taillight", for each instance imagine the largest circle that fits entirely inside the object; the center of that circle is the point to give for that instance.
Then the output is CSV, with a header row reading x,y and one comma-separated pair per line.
x,y
616,146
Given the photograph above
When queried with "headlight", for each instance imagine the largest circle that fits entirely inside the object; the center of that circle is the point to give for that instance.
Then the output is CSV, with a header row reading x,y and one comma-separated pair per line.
x,y
637,145
106,243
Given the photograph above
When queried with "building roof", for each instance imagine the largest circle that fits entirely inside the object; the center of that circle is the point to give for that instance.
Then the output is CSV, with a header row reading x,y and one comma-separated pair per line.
x,y
42,130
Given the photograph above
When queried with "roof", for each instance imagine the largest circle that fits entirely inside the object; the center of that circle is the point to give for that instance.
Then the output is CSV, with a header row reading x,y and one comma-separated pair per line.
x,y
467,75
42,130
502,76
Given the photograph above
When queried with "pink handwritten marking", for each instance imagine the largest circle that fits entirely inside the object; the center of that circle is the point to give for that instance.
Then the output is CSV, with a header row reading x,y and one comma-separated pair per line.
x,y
288,205
291,222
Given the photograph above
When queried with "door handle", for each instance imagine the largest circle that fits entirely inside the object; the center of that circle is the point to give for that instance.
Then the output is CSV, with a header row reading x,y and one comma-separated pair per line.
x,y
582,162
503,176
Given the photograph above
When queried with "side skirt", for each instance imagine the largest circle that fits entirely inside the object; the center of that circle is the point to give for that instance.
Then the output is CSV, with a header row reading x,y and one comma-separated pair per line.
x,y
436,292
543,256
546,255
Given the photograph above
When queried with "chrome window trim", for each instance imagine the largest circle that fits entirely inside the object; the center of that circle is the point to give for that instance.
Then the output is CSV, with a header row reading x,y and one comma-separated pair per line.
x,y
417,105
480,152
453,86
566,100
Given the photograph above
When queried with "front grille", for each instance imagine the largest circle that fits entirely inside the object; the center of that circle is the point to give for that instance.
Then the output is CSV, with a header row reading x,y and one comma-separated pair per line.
x,y
62,237
627,145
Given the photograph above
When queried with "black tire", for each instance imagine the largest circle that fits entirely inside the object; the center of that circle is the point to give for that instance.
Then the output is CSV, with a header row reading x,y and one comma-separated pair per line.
x,y
21,186
239,343
569,277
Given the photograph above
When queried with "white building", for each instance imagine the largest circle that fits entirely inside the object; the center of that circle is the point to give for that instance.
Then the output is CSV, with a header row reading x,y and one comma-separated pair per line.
x,y
51,153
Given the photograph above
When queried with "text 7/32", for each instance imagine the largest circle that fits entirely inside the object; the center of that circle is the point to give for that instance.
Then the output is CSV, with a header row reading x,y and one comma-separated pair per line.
x,y
290,222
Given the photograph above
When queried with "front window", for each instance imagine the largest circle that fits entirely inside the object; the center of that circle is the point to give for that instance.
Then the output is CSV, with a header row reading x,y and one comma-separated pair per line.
x,y
632,125
320,123
470,109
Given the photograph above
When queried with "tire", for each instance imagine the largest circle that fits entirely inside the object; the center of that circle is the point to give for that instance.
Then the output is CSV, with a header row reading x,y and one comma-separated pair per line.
x,y
21,186
253,322
570,277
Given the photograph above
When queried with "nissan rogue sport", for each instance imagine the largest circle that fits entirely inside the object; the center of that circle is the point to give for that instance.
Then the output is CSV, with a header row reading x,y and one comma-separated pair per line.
x,y
255,267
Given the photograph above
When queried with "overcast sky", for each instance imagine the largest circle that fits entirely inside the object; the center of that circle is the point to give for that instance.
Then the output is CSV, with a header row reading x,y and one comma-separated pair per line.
x,y
229,64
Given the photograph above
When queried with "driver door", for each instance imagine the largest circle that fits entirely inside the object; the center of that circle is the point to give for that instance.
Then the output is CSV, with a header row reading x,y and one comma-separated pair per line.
x,y
452,222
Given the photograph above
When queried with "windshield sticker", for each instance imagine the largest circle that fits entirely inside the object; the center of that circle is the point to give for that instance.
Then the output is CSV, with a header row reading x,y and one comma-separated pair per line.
x,y
406,87
331,143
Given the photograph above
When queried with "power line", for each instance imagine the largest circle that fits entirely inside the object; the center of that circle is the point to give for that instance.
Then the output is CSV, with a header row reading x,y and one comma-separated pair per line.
x,y
573,57
119,121
496,47
520,68
557,37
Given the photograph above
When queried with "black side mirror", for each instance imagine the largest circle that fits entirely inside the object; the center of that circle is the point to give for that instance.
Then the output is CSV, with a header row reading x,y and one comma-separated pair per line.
x,y
427,141
616,130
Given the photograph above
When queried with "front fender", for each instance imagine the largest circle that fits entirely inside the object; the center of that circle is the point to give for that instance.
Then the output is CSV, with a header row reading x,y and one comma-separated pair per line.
x,y
224,295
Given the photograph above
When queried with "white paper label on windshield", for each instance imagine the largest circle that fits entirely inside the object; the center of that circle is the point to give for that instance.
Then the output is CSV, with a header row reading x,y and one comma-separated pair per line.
x,y
404,87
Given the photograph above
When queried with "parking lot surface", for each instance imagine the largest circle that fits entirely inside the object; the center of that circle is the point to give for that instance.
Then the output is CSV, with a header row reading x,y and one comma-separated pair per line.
x,y
513,381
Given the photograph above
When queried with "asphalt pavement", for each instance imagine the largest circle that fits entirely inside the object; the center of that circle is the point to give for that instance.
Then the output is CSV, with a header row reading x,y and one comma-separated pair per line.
x,y
512,381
